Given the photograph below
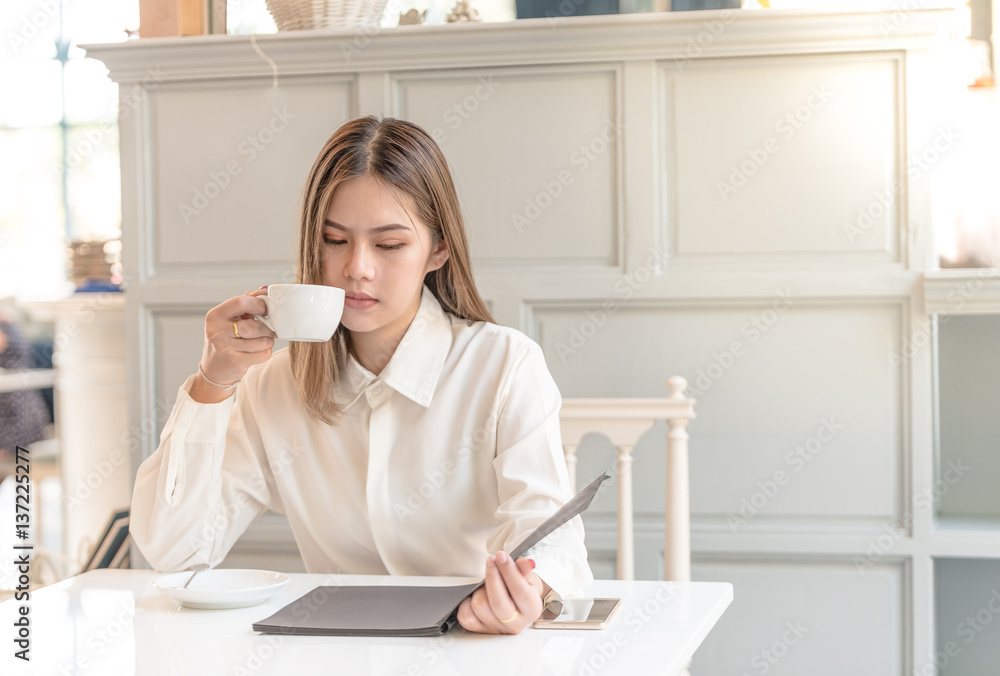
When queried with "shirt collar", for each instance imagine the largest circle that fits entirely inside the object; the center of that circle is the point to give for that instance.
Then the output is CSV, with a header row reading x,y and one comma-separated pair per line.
x,y
415,366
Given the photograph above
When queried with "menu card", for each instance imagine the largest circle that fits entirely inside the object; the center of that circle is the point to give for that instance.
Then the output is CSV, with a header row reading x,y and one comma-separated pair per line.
x,y
398,610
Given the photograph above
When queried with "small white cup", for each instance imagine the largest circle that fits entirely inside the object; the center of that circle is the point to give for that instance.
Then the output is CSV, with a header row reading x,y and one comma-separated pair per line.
x,y
304,312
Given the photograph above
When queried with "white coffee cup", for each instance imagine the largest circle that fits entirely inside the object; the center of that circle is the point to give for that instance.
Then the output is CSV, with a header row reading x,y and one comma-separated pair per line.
x,y
304,312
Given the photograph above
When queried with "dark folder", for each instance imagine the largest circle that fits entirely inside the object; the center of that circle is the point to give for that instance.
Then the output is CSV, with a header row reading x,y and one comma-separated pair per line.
x,y
398,610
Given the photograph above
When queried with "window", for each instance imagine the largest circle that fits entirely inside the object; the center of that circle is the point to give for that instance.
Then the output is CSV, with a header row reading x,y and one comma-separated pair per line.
x,y
58,139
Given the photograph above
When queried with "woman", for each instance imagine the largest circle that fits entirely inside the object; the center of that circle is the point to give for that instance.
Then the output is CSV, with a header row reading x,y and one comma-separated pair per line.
x,y
23,414
419,440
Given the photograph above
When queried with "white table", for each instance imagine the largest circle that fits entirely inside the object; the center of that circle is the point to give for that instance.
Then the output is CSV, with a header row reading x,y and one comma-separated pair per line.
x,y
112,622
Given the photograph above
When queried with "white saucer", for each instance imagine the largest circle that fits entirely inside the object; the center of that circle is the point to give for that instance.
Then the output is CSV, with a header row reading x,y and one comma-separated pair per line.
x,y
215,589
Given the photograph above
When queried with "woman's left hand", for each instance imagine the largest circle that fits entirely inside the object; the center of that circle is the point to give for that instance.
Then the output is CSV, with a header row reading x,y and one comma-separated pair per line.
x,y
510,600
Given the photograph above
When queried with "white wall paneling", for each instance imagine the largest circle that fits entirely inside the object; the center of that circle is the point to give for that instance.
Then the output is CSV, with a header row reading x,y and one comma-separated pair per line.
x,y
825,457
225,193
785,320
558,202
744,131
791,611
176,338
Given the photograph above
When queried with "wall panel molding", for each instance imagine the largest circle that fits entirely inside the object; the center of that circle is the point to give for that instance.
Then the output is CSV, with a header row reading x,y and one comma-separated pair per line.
x,y
752,193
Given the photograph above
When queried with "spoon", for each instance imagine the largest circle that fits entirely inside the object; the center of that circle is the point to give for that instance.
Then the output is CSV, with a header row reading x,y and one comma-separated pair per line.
x,y
197,568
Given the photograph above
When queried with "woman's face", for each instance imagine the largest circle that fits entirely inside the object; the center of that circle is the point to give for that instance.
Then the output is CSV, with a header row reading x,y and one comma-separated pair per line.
x,y
378,252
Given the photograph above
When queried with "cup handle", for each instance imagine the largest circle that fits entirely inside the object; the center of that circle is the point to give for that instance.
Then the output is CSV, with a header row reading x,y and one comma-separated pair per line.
x,y
267,310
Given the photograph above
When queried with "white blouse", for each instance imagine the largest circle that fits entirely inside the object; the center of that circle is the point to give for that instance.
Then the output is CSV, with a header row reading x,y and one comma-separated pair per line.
x,y
451,453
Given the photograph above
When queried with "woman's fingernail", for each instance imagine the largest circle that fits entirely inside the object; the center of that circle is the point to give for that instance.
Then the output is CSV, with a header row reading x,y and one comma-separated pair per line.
x,y
501,557
532,562
490,561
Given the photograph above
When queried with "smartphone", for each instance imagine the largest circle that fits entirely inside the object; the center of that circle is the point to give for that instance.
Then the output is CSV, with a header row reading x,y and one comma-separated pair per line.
x,y
578,614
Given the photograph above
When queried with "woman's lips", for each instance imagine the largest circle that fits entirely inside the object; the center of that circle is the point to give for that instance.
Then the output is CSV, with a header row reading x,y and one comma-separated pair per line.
x,y
359,303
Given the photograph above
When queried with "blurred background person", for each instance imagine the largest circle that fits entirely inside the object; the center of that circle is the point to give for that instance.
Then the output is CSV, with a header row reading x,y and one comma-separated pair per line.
x,y
24,415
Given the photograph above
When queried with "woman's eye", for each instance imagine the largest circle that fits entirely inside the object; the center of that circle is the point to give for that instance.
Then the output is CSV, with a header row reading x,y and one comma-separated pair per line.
x,y
385,247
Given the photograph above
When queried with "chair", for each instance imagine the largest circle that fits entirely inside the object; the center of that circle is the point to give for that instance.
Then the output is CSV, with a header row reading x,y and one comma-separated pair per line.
x,y
112,549
623,422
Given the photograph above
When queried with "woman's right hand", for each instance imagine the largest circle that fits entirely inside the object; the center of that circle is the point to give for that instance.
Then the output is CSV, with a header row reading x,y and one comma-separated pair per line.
x,y
226,357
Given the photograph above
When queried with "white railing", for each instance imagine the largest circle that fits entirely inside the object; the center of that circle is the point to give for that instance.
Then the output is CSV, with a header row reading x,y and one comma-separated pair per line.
x,y
623,422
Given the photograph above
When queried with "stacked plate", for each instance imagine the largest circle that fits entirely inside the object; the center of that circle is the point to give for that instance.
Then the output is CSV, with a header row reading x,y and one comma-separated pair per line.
x,y
99,262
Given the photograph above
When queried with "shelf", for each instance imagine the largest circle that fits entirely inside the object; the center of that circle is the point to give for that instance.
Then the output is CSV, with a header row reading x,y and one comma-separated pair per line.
x,y
972,538
962,291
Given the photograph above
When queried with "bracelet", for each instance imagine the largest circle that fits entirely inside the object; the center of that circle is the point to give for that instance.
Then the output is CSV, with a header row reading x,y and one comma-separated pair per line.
x,y
212,382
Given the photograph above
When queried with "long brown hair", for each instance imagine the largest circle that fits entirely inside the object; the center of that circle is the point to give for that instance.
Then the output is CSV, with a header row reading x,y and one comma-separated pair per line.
x,y
402,156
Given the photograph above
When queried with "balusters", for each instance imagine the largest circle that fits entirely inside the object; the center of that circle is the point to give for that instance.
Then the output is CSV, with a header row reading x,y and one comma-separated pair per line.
x,y
626,537
623,422
569,451
677,558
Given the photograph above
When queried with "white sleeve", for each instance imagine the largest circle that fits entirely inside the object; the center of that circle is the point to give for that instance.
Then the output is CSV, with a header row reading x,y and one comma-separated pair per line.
x,y
532,479
205,483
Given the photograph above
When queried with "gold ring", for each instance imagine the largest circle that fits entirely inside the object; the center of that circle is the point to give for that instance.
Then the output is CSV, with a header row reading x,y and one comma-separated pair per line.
x,y
237,331
509,618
